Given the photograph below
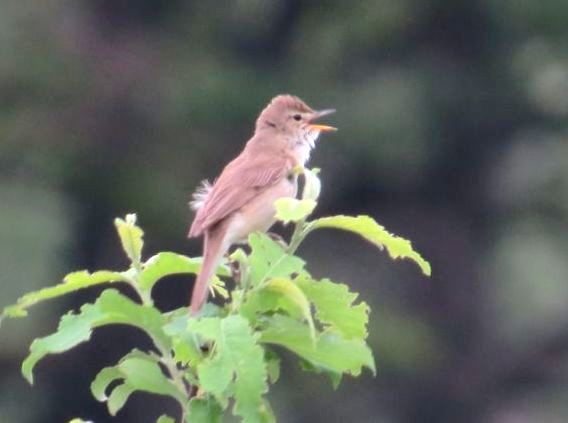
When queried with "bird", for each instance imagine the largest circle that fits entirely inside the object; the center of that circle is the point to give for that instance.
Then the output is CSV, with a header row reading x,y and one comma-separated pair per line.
x,y
241,200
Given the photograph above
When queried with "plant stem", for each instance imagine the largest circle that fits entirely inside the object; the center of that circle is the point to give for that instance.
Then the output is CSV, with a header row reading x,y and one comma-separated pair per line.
x,y
146,298
165,354
176,375
300,231
245,283
132,280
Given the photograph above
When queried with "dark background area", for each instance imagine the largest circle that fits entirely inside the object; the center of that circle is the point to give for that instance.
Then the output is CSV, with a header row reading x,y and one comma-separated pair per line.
x,y
453,133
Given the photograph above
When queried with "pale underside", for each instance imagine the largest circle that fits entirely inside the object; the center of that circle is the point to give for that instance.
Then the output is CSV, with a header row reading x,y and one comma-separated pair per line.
x,y
242,190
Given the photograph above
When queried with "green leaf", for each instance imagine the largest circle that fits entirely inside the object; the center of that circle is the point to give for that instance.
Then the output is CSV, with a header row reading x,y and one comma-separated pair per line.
x,y
260,301
334,306
78,420
330,351
185,351
266,413
290,290
207,327
237,364
144,374
312,184
278,294
72,282
71,332
369,229
110,308
269,260
272,364
216,372
103,379
184,342
204,410
167,263
293,210
334,377
165,419
118,398
137,371
130,237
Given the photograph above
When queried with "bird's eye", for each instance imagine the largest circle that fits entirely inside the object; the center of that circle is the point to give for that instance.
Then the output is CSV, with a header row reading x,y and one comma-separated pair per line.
x,y
297,117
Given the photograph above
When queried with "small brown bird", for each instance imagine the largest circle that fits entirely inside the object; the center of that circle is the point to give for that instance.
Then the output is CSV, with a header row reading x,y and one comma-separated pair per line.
x,y
241,200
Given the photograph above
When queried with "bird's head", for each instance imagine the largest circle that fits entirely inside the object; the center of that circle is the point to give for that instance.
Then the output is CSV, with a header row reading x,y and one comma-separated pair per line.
x,y
292,117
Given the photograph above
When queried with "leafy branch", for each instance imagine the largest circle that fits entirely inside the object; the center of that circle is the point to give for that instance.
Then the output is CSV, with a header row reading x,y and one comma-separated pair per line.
x,y
227,356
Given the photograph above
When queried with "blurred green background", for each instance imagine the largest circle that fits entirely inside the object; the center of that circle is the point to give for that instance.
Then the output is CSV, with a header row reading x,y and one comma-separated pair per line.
x,y
453,133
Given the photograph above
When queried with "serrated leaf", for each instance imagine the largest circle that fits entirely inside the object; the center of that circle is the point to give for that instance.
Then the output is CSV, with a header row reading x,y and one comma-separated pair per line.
x,y
137,371
72,282
103,379
215,373
165,264
237,363
184,342
168,263
369,229
108,375
272,365
130,237
118,398
293,210
266,413
312,184
269,260
334,307
334,377
185,352
330,351
262,301
278,294
71,332
144,374
290,290
110,308
204,410
165,419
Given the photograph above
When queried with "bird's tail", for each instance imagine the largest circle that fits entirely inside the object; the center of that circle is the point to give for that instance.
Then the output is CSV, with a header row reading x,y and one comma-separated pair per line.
x,y
213,249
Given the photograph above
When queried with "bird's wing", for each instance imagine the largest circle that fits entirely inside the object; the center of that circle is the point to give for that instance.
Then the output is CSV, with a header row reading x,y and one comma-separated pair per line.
x,y
241,181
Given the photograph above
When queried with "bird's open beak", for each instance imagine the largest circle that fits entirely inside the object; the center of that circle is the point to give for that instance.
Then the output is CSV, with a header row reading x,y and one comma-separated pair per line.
x,y
318,126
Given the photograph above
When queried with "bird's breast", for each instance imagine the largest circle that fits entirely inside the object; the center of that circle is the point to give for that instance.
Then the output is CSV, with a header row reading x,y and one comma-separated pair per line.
x,y
259,213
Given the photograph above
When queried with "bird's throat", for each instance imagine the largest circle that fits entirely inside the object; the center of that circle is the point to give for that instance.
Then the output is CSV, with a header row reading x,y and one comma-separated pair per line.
x,y
304,144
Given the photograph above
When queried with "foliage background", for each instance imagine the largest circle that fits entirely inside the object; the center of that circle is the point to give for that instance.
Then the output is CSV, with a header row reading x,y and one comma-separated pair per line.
x,y
453,130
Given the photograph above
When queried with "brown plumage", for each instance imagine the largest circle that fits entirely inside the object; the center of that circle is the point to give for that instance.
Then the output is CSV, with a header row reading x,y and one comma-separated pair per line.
x,y
241,199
